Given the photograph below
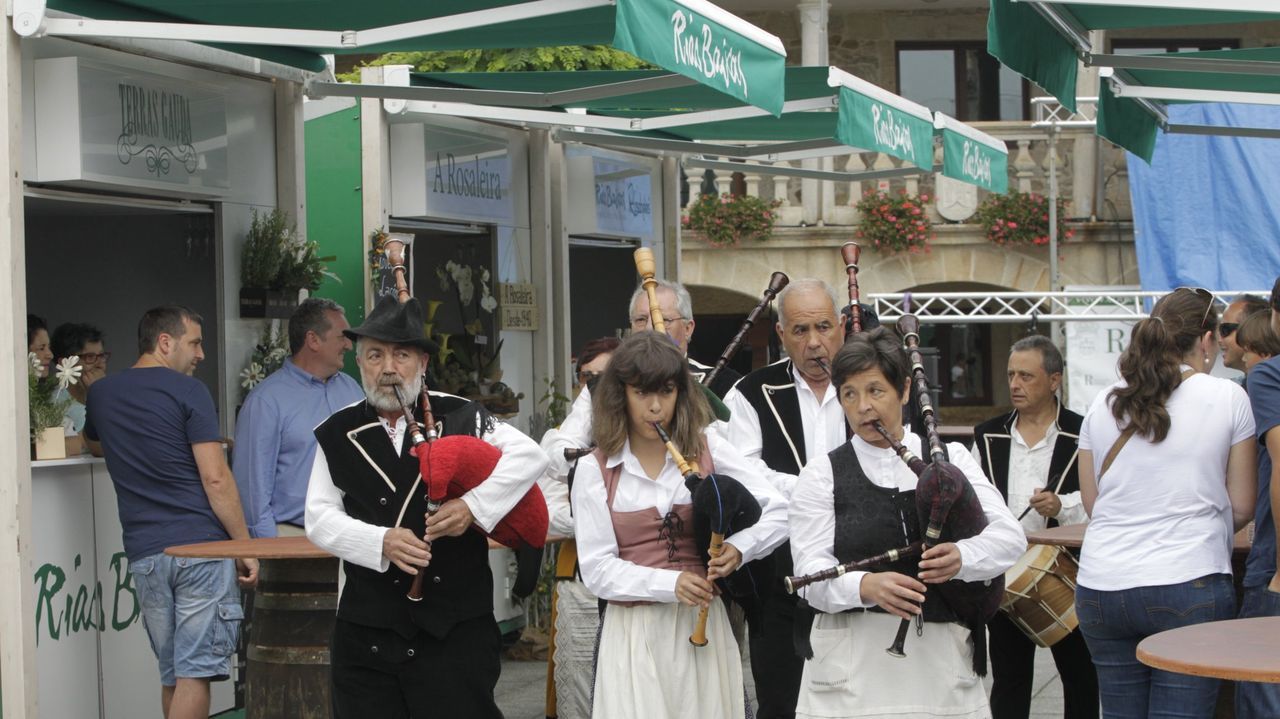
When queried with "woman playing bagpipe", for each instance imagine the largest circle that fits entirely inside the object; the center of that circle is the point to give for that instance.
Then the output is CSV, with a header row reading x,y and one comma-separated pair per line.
x,y
637,547
859,501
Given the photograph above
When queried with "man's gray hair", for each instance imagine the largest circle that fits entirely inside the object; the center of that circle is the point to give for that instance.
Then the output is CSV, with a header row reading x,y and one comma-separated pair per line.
x,y
684,303
1050,356
805,284
311,316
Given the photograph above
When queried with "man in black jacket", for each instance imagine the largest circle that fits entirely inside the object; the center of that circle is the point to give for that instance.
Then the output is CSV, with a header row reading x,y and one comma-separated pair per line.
x,y
392,657
1030,455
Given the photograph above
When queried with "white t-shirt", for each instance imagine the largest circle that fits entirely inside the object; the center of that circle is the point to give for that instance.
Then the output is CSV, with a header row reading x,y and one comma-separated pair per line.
x,y
1162,515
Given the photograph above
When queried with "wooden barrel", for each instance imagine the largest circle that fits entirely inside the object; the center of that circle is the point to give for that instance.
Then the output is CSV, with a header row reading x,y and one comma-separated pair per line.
x,y
293,614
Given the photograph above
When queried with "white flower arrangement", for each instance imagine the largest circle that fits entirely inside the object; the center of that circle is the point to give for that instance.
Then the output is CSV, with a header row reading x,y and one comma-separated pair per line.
x,y
250,376
69,370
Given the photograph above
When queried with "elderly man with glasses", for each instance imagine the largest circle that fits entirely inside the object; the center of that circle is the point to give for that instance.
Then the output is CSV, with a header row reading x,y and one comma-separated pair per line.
x,y
677,315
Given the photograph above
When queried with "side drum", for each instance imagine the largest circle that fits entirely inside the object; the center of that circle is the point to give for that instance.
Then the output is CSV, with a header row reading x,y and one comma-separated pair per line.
x,y
1040,594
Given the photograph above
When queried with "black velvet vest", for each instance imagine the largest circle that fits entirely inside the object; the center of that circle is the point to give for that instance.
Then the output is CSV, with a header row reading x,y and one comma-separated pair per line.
x,y
382,487
871,520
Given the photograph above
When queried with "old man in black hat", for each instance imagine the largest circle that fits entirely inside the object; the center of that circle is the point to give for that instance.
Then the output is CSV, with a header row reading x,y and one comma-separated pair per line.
x,y
393,657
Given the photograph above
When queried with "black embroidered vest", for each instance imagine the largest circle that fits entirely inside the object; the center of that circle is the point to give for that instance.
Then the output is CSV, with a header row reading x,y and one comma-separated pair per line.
x,y
381,487
871,520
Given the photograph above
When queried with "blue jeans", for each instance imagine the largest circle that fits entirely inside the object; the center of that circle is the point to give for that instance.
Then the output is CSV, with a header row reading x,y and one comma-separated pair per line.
x,y
191,610
1114,623
1256,700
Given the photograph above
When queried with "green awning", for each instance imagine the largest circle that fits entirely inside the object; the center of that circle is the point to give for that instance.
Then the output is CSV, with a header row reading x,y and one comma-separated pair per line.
x,y
843,114
693,38
1045,47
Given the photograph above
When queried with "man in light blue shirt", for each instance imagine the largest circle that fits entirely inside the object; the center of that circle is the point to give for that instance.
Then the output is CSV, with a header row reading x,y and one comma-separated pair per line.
x,y
275,446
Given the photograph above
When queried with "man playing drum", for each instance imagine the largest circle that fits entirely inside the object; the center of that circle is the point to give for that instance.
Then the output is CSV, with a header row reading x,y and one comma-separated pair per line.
x,y
1030,455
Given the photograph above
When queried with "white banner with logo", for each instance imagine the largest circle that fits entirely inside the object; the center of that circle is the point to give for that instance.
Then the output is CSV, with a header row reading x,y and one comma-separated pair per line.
x,y
1093,351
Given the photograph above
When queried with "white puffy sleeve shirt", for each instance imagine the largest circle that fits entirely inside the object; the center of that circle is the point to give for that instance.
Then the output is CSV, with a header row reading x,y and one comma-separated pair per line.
x,y
607,575
573,433
813,524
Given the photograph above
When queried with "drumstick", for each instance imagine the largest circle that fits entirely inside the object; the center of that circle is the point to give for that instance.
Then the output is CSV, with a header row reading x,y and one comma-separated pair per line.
x,y
1053,491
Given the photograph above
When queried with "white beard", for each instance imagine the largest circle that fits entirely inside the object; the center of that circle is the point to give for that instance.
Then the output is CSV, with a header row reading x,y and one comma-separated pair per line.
x,y
383,397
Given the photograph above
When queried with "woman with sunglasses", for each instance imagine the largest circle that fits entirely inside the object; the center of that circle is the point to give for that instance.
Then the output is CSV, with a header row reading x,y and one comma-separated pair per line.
x,y
1168,475
634,522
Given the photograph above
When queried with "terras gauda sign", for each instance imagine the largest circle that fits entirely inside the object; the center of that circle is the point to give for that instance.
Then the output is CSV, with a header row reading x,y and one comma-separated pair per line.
x,y
156,125
106,124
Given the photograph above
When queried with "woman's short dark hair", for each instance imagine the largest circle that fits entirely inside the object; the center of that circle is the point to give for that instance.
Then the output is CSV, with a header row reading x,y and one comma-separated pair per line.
x,y
35,323
651,362
1255,335
879,349
593,349
1151,365
71,337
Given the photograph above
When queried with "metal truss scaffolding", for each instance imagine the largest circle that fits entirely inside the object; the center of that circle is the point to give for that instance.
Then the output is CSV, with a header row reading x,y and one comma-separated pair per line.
x,y
1010,307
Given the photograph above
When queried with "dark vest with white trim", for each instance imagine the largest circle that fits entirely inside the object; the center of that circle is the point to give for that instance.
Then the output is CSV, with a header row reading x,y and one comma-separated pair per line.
x,y
381,487
771,391
994,439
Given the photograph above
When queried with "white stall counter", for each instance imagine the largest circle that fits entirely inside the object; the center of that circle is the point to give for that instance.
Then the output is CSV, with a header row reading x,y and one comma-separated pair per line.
x,y
89,630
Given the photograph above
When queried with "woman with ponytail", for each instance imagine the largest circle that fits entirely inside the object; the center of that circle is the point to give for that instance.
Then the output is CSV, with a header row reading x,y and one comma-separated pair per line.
x,y
1168,475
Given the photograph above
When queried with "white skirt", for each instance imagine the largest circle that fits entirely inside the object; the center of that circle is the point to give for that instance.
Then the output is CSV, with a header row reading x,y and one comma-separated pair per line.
x,y
850,674
647,669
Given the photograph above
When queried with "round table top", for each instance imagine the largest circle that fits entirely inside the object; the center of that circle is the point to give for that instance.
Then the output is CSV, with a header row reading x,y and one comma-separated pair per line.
x,y
1239,649
263,548
1072,536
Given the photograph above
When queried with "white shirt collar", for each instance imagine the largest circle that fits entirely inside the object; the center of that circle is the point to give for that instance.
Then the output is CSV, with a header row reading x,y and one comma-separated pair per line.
x,y
802,385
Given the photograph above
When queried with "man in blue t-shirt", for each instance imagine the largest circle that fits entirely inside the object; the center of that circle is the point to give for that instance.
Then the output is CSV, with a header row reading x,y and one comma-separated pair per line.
x,y
158,429
1261,582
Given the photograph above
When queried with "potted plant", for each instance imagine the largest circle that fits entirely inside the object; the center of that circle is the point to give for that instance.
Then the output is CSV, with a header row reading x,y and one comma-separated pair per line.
x,y
1018,218
46,410
275,264
260,261
726,220
894,223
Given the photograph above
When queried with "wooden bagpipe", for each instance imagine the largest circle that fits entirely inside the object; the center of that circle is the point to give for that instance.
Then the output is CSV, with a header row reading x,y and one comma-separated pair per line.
x,y
943,495
454,465
721,507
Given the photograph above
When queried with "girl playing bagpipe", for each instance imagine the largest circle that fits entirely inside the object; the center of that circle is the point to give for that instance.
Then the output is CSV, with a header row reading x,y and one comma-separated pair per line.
x,y
637,545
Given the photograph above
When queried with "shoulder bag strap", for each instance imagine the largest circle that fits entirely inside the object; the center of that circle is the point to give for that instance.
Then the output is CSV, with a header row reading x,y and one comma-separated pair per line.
x,y
1124,437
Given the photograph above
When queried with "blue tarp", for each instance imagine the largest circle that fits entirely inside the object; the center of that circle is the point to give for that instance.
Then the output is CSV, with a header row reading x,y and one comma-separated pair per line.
x,y
1206,211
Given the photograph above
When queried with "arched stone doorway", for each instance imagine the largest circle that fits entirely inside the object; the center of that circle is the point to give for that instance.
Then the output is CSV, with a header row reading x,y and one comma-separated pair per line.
x,y
719,313
972,357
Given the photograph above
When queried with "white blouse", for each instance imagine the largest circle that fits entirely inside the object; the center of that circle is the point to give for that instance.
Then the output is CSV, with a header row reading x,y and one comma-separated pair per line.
x,y
610,577
813,522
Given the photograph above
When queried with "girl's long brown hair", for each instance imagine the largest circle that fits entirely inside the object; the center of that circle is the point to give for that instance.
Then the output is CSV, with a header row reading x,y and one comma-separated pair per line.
x,y
1150,365
651,362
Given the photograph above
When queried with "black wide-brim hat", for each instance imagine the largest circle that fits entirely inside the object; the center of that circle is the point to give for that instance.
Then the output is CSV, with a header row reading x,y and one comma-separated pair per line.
x,y
396,323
